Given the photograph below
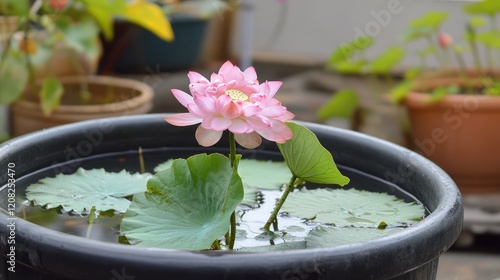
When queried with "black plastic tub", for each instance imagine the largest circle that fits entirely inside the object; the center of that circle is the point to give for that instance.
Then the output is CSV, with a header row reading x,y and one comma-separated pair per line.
x,y
41,253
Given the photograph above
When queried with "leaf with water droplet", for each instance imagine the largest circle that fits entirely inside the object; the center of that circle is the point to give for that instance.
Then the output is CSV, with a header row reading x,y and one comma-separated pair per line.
x,y
352,208
187,206
86,188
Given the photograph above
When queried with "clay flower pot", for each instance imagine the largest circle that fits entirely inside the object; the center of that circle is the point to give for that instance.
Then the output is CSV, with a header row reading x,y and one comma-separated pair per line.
x,y
459,133
109,97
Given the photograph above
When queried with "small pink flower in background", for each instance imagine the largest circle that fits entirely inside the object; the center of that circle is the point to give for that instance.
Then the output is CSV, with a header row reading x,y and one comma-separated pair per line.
x,y
444,40
233,100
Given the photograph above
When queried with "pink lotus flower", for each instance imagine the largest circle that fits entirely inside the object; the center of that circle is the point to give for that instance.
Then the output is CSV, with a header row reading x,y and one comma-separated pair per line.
x,y
233,100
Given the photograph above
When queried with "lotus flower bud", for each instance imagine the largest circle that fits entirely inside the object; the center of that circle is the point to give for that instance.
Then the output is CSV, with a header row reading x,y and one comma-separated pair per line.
x,y
58,4
444,40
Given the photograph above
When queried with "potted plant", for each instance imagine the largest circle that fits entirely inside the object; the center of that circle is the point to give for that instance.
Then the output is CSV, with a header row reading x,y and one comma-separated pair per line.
x,y
57,38
138,50
247,112
358,82
454,109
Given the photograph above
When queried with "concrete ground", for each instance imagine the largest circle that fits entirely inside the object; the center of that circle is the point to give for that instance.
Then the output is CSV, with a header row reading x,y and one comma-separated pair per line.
x,y
476,255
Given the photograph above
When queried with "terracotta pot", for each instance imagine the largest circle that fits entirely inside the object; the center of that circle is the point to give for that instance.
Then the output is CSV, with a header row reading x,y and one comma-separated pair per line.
x,y
109,97
460,133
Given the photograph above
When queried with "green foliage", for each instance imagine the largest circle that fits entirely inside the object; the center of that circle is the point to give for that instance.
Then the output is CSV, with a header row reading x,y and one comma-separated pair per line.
x,y
399,92
259,174
346,51
103,12
187,206
76,26
432,19
342,104
352,208
439,93
415,33
50,95
490,38
272,176
86,188
493,90
14,7
13,78
477,21
349,67
383,64
308,160
81,36
485,7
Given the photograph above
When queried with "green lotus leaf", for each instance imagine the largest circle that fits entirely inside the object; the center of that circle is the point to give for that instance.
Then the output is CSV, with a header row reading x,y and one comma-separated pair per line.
x,y
187,206
271,175
352,207
308,160
486,7
432,19
86,188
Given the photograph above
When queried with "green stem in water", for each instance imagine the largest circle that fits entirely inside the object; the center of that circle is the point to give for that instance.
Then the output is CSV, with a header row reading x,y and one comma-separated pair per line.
x,y
216,245
92,216
232,148
233,231
279,204
232,158
141,161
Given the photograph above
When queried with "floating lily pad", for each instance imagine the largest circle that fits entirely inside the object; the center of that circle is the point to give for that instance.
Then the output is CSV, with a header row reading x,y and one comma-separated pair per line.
x,y
86,188
187,206
260,174
164,165
322,237
352,207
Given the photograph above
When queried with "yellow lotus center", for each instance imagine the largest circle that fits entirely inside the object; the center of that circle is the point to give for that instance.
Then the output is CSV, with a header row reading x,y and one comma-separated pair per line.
x,y
237,95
